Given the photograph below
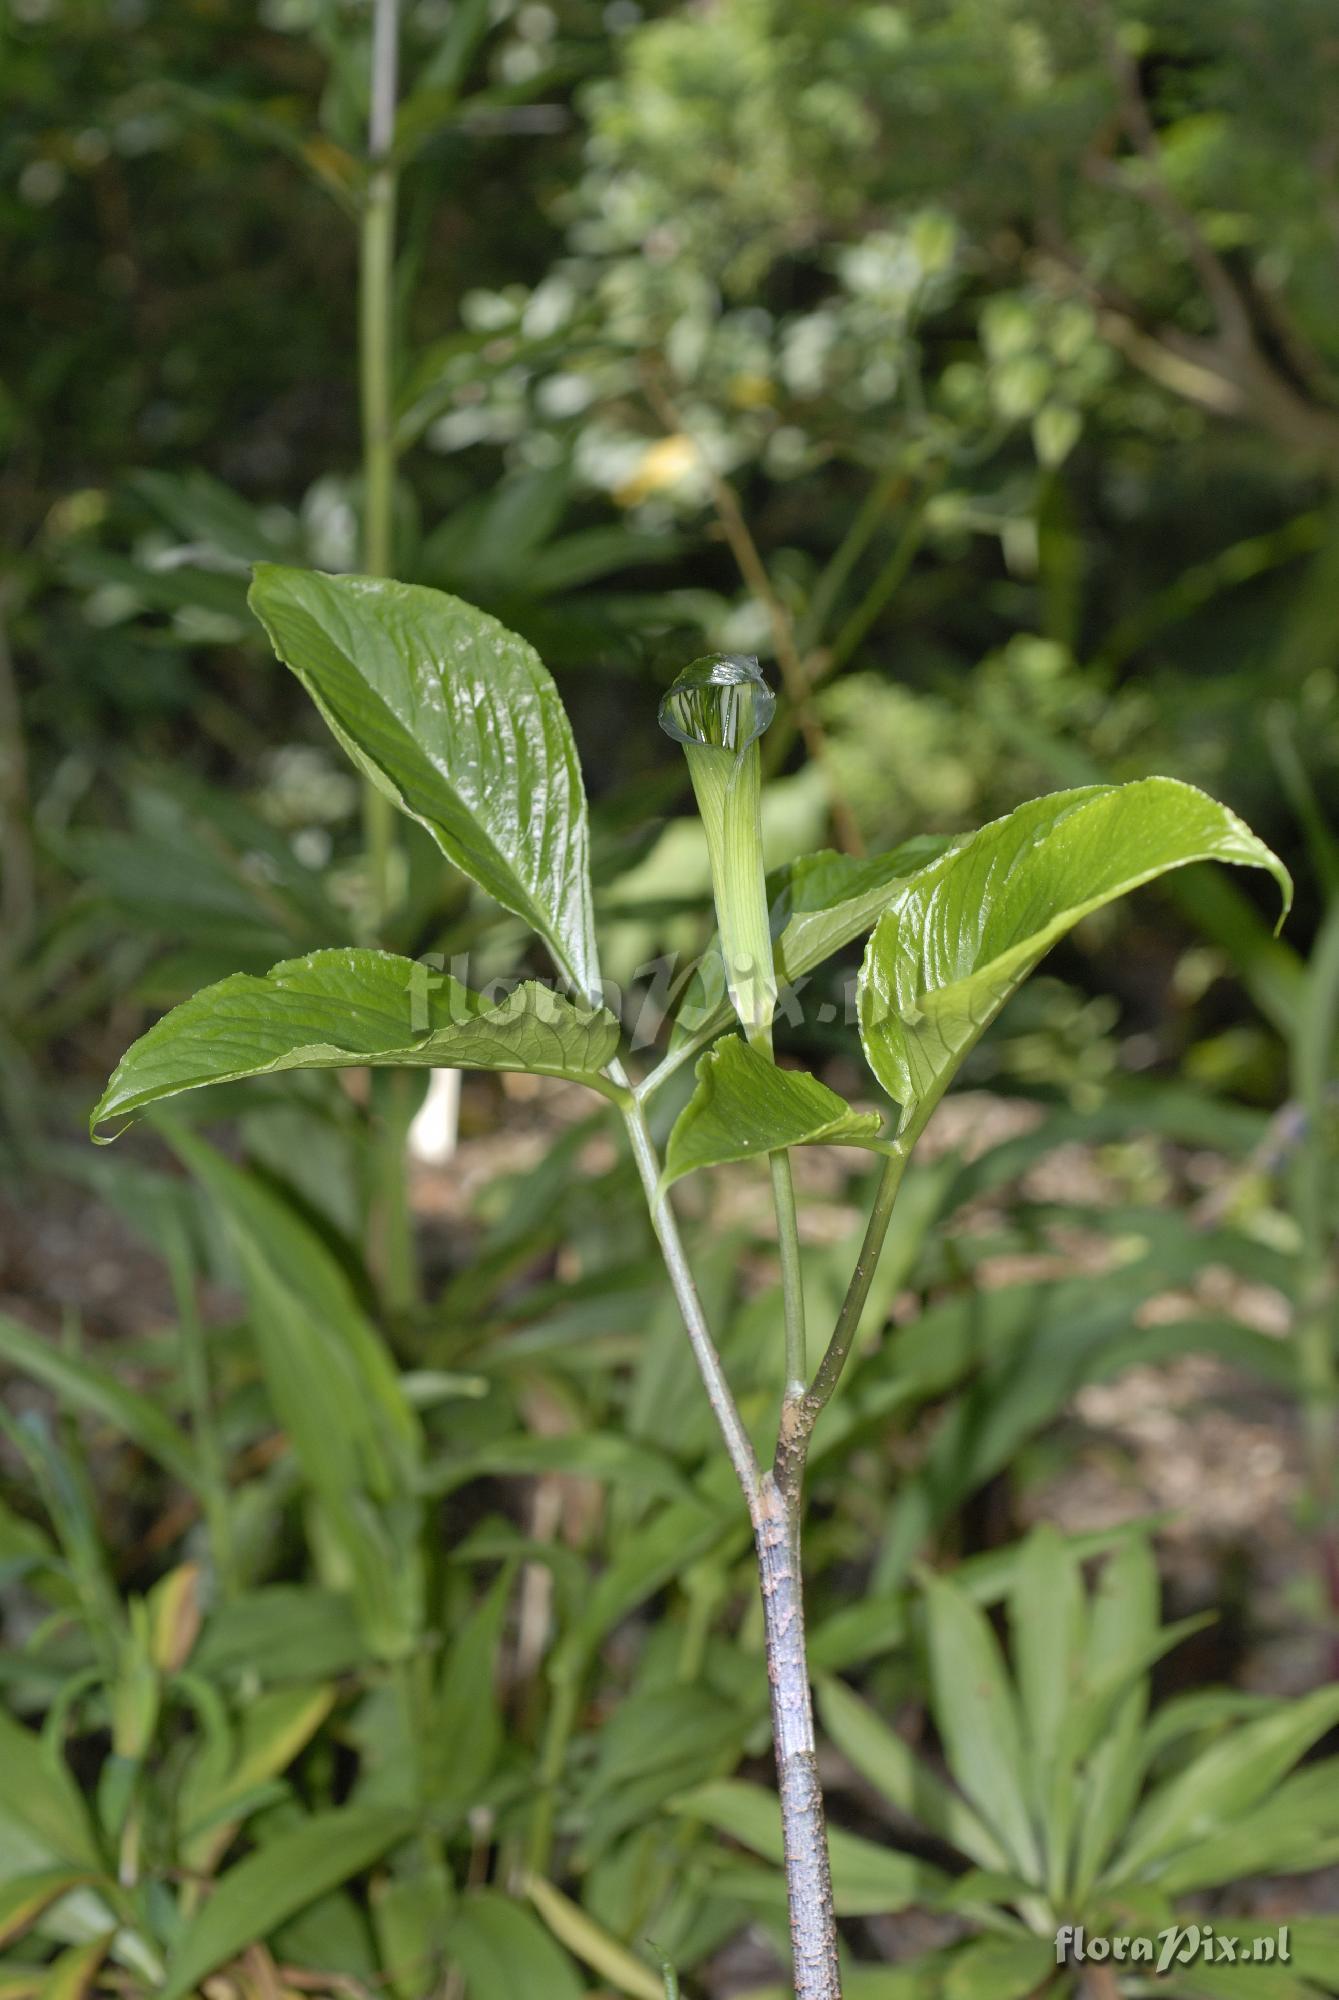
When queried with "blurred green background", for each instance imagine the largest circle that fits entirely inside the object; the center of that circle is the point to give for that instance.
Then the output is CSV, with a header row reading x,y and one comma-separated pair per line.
x,y
976,364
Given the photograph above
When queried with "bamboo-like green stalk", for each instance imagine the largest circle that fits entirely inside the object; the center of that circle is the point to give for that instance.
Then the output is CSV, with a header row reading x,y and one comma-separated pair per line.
x,y
391,1219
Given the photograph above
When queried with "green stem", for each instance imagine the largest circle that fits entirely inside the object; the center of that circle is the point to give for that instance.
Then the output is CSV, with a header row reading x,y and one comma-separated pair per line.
x,y
391,1227
1312,1067
376,306
847,554
726,1411
788,1245
884,587
199,1398
557,1736
801,1413
792,1281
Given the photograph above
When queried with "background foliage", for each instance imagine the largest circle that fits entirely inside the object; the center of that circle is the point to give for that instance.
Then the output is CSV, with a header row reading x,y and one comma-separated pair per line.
x,y
976,365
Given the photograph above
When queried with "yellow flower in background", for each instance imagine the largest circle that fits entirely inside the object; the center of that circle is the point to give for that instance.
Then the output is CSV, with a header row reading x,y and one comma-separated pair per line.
x,y
662,465
751,391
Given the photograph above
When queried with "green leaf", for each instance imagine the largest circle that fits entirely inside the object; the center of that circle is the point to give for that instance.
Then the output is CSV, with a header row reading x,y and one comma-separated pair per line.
x,y
82,1385
410,1915
745,1107
41,1795
275,1727
592,1944
1207,1980
1122,1627
335,1390
999,1968
70,1976
467,1726
506,1954
1292,1831
866,1879
23,1898
282,1632
1045,1629
274,1883
457,721
587,1455
351,1008
977,1718
830,898
890,1765
1046,1615
968,929
1225,1781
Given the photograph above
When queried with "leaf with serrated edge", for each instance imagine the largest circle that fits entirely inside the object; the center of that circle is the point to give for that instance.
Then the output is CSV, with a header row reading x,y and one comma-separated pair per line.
x,y
353,1008
965,932
744,1107
456,720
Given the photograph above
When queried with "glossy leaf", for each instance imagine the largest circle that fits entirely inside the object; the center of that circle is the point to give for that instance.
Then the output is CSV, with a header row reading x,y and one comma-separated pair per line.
x,y
745,1107
966,931
352,1008
506,1954
280,1878
457,720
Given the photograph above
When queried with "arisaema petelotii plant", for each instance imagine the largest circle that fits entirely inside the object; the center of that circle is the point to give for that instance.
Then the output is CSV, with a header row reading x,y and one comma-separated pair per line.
x,y
455,720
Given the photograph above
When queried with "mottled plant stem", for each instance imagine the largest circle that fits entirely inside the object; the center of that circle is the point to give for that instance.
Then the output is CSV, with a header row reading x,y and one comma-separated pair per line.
x,y
726,1411
813,1926
775,1516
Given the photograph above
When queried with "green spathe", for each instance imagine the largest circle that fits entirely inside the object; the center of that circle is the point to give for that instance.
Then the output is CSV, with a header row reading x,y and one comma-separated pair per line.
x,y
718,708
